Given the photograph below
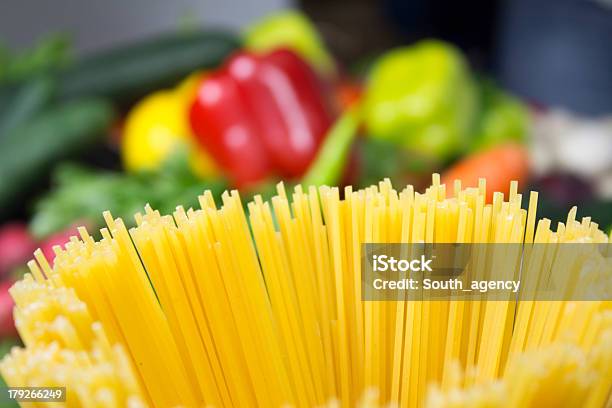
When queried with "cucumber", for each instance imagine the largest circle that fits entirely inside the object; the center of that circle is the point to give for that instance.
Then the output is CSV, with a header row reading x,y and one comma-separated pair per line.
x,y
23,102
127,73
31,149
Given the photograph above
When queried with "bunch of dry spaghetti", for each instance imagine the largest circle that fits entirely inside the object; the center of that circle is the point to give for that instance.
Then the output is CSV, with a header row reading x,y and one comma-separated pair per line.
x,y
211,307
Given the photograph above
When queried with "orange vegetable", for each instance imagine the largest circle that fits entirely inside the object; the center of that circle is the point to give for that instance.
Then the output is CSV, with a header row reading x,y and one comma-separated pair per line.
x,y
347,93
499,166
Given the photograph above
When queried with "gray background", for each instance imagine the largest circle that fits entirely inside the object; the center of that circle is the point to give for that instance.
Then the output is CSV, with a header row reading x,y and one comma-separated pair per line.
x,y
99,24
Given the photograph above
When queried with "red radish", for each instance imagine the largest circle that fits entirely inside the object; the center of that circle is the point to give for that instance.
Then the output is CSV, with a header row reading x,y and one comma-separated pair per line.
x,y
59,238
16,246
7,326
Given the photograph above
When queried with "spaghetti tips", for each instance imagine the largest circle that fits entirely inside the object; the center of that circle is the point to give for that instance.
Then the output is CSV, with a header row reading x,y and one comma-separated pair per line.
x,y
215,306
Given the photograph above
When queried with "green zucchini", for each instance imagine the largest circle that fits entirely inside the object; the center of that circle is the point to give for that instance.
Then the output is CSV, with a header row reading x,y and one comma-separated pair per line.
x,y
127,73
32,148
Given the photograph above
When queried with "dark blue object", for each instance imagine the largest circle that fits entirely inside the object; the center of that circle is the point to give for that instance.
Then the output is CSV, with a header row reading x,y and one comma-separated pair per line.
x,y
558,52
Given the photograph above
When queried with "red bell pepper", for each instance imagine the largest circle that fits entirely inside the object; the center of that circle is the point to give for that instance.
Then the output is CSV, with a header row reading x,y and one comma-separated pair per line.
x,y
261,116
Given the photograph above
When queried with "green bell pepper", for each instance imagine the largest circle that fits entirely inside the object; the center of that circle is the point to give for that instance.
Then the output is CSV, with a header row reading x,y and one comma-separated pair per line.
x,y
423,98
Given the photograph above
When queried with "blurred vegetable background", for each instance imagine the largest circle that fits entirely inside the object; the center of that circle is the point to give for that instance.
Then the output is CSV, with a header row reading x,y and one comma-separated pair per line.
x,y
322,94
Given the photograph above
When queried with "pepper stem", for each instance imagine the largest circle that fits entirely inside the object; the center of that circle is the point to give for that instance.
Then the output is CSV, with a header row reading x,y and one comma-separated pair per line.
x,y
327,167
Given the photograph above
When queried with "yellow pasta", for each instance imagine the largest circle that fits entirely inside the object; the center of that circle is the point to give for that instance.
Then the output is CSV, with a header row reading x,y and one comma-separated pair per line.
x,y
64,346
218,306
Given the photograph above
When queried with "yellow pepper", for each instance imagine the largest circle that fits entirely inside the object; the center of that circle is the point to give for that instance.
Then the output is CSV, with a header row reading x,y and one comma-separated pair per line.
x,y
159,124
